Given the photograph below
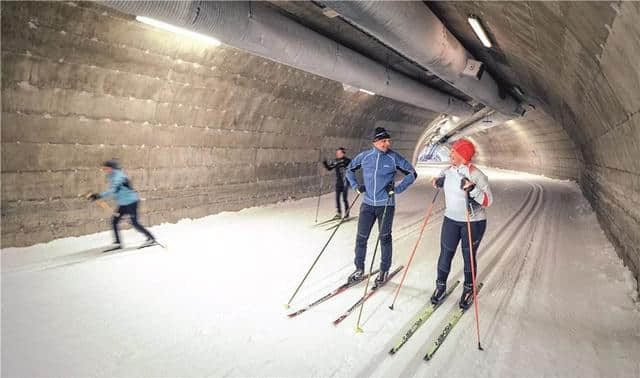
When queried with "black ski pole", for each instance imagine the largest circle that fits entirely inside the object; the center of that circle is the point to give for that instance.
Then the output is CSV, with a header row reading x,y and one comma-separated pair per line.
x,y
319,195
375,249
320,254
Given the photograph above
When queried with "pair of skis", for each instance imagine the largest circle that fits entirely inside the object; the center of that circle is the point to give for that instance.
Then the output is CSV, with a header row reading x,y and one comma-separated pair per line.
x,y
333,222
145,245
343,288
422,317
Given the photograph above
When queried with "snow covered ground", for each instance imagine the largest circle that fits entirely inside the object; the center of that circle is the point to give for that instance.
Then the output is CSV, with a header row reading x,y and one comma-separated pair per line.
x,y
557,301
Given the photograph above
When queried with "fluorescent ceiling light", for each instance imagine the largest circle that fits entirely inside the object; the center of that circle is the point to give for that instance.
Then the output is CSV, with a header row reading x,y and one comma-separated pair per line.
x,y
518,91
367,92
479,30
177,30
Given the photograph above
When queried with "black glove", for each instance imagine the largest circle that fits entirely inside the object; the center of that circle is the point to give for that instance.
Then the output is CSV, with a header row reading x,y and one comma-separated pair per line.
x,y
390,188
361,189
464,182
94,196
326,165
440,182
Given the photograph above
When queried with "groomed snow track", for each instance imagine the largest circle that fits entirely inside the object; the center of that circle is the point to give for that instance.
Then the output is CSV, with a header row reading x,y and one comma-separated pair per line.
x,y
557,301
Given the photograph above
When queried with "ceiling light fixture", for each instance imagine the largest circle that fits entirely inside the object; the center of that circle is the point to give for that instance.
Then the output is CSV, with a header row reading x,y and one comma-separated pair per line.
x,y
480,32
178,30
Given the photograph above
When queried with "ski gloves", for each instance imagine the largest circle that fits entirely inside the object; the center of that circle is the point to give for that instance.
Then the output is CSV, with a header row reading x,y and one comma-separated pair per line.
x,y
473,204
440,182
94,196
390,188
464,182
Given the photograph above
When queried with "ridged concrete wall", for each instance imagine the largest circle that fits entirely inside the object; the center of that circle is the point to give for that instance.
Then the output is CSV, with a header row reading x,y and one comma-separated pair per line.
x,y
535,144
199,129
578,61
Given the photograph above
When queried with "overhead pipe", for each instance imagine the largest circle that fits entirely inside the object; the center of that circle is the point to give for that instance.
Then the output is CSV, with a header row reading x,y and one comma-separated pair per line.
x,y
261,30
412,30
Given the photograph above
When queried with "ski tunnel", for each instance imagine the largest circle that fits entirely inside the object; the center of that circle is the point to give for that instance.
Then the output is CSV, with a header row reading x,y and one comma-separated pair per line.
x,y
221,114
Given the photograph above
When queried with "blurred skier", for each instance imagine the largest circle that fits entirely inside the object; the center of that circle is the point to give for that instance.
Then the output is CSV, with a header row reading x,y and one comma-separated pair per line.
x,y
127,200
340,165
461,181
379,166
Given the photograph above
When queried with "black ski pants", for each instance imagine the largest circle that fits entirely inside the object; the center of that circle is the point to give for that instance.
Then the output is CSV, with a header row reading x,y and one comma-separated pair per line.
x,y
452,233
132,211
342,190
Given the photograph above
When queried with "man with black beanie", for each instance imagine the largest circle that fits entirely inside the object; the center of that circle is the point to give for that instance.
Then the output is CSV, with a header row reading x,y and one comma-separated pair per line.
x,y
379,166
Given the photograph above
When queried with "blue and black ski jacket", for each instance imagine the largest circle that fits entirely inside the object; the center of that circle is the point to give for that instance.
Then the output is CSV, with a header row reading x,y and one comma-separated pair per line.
x,y
378,170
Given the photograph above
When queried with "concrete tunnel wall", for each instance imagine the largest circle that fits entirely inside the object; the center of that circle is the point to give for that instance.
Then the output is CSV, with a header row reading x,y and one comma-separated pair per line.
x,y
535,143
199,129
249,131
578,62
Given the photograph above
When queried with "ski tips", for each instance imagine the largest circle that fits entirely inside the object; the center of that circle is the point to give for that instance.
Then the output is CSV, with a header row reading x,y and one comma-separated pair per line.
x,y
359,330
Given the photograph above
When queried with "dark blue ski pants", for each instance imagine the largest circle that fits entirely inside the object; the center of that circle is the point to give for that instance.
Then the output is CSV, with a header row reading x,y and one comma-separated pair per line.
x,y
368,216
452,233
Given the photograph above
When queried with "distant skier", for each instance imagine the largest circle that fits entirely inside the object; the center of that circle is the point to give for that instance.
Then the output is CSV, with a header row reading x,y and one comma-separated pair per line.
x,y
340,165
379,166
127,200
461,181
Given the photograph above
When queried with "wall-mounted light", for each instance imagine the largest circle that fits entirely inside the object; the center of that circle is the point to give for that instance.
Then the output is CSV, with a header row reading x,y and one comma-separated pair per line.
x,y
367,92
479,30
178,30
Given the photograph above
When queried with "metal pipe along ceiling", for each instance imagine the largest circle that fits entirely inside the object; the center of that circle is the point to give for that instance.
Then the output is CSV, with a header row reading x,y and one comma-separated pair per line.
x,y
411,29
260,30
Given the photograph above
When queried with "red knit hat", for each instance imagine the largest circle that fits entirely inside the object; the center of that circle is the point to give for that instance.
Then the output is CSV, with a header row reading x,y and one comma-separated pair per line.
x,y
465,148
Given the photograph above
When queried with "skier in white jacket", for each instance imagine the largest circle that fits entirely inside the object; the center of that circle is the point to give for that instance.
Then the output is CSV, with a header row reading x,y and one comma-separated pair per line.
x,y
462,183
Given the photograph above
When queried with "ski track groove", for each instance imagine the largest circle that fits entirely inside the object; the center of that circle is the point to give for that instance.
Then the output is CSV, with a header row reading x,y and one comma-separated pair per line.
x,y
519,262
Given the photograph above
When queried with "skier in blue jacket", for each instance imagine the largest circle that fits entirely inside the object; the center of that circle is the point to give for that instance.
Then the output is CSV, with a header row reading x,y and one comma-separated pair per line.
x,y
379,166
127,199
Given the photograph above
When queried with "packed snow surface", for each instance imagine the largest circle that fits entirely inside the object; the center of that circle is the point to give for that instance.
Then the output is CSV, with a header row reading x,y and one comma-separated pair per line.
x,y
556,301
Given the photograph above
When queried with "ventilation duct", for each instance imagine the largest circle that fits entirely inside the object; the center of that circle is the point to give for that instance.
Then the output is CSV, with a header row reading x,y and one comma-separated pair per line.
x,y
412,30
261,30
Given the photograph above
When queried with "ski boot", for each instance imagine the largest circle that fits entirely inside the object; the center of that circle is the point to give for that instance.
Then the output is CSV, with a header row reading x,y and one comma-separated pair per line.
x,y
356,276
466,300
439,292
338,216
381,279
114,247
346,215
148,243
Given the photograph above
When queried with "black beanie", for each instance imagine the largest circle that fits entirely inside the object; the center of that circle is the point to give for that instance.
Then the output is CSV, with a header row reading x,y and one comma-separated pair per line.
x,y
113,163
380,133
341,149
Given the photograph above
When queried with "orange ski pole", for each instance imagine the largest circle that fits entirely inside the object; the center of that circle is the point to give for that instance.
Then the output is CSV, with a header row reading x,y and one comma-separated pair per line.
x,y
415,247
